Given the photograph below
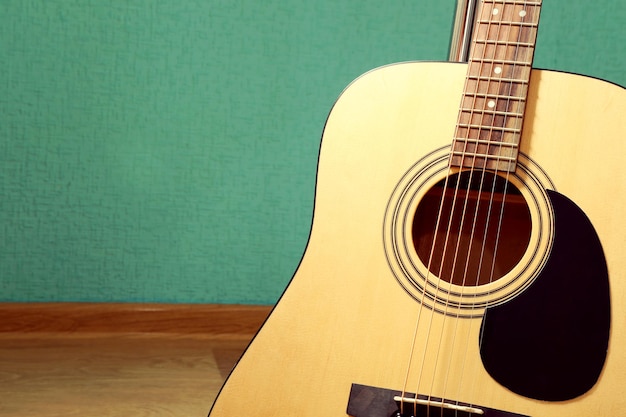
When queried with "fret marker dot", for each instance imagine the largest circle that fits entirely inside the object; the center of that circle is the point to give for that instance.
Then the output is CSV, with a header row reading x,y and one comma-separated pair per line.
x,y
497,70
491,104
522,13
495,11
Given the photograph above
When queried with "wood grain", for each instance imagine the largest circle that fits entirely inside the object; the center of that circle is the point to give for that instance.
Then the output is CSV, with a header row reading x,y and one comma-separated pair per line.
x,y
112,374
83,359
212,319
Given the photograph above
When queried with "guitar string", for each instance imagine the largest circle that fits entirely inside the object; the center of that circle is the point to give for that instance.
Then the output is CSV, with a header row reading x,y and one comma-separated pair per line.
x,y
428,275
473,227
420,310
493,11
481,187
535,7
422,303
459,241
481,171
490,206
438,224
435,296
444,253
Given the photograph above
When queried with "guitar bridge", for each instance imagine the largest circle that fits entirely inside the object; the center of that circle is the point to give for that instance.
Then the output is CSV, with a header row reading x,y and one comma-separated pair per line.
x,y
366,401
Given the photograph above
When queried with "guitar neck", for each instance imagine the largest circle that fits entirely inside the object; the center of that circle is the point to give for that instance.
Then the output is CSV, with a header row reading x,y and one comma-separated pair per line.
x,y
492,108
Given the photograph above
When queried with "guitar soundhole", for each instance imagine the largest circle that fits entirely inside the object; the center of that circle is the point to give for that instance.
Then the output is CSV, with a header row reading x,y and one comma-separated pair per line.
x,y
472,228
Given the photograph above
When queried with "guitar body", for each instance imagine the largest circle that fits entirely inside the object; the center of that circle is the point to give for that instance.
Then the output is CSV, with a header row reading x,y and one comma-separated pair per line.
x,y
349,316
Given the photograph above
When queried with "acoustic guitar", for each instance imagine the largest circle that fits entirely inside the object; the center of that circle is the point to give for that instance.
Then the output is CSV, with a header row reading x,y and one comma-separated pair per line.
x,y
464,259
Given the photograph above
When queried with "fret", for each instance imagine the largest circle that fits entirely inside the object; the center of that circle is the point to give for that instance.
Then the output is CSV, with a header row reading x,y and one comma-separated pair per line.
x,y
466,154
475,83
490,128
499,51
494,96
493,87
503,61
487,126
482,161
506,43
514,2
481,122
507,23
489,102
492,37
520,38
497,79
499,166
464,135
488,143
492,112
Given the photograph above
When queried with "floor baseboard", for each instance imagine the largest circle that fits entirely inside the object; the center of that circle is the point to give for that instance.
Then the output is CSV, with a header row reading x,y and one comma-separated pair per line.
x,y
209,319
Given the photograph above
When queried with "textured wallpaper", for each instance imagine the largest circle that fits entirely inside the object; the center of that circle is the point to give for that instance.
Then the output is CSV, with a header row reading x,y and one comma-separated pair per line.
x,y
165,151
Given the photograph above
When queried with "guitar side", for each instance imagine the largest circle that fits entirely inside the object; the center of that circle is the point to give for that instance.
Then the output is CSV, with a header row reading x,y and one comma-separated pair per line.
x,y
344,318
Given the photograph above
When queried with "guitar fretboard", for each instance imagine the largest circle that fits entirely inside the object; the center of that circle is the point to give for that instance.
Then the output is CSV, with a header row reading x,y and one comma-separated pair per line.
x,y
490,118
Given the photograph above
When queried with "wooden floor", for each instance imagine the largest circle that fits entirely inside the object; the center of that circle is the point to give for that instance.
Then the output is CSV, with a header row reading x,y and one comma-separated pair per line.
x,y
114,372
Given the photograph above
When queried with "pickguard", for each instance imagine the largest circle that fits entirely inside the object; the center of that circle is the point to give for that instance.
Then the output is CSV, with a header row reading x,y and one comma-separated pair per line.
x,y
550,342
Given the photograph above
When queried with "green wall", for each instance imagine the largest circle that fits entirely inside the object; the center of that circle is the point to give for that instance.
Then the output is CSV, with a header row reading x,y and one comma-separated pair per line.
x,y
165,151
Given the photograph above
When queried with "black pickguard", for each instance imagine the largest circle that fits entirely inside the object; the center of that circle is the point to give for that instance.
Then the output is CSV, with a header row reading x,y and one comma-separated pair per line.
x,y
550,342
